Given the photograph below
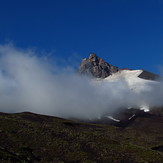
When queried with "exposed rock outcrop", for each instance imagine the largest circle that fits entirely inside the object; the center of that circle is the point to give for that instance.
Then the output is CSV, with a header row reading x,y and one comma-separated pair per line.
x,y
148,75
96,67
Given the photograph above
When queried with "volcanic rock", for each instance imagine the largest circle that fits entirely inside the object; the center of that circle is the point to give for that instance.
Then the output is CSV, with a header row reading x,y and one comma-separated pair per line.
x,y
148,75
96,67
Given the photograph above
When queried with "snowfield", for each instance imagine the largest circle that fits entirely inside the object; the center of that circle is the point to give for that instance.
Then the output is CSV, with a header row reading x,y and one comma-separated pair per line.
x,y
135,83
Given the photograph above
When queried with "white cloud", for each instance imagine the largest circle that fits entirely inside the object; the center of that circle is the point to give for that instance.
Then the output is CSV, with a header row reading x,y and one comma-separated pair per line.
x,y
29,83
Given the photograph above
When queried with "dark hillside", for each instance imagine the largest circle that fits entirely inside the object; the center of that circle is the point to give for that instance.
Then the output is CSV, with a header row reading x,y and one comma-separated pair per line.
x,y
28,137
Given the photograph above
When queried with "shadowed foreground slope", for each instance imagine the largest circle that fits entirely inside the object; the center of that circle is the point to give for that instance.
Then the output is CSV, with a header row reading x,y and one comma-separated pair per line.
x,y
28,137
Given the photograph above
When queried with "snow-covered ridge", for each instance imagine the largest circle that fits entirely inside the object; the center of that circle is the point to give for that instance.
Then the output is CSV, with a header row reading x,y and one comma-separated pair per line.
x,y
131,77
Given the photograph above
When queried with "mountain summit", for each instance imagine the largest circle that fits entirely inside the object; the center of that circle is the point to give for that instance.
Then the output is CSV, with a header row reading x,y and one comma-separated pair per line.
x,y
96,67
137,81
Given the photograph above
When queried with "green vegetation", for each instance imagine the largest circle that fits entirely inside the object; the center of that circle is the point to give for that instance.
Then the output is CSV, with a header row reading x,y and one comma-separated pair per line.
x,y
28,137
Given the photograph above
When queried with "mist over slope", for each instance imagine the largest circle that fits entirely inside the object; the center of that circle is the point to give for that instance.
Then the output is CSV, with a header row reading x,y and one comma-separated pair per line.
x,y
31,83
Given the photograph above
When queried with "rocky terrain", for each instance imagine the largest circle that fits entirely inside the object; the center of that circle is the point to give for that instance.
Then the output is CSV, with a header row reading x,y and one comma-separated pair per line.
x,y
96,67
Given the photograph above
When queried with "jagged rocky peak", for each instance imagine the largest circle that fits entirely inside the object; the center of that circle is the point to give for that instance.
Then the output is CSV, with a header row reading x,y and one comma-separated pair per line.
x,y
96,67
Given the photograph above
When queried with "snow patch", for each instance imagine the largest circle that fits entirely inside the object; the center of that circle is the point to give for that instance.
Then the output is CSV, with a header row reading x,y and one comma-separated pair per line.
x,y
145,108
132,116
110,117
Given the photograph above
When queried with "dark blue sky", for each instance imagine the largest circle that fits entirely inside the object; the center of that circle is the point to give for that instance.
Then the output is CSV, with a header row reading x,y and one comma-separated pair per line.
x,y
126,33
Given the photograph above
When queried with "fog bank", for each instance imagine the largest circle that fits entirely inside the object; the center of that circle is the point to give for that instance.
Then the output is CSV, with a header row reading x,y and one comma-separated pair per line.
x,y
31,83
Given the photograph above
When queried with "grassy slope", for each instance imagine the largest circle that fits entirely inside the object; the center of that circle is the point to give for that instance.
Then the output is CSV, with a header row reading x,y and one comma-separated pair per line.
x,y
28,137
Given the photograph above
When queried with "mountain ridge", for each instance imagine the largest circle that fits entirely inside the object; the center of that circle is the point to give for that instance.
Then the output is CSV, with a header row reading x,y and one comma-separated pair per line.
x,y
95,66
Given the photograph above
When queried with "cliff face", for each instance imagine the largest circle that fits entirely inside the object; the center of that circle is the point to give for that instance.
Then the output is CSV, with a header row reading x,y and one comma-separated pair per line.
x,y
96,67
